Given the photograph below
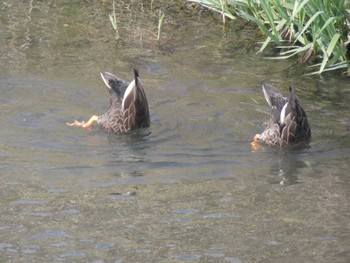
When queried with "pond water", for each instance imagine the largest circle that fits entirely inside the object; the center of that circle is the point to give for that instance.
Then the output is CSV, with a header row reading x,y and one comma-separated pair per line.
x,y
189,188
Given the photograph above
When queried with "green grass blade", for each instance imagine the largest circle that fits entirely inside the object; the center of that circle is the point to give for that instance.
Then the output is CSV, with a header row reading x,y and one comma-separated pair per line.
x,y
318,26
307,25
329,20
270,18
264,45
113,20
298,7
160,24
332,44
325,56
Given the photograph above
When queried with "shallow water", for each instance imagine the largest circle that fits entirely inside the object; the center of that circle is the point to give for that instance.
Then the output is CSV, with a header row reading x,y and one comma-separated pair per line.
x,y
189,188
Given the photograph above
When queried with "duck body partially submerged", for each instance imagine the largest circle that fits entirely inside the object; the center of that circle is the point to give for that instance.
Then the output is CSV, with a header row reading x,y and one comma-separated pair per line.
x,y
288,124
128,106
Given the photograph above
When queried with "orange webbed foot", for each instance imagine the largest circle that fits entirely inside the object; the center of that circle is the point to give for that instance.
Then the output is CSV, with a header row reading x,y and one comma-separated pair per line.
x,y
75,124
256,142
87,124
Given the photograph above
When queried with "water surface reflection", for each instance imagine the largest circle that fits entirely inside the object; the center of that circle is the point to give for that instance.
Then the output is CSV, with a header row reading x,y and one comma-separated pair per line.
x,y
189,187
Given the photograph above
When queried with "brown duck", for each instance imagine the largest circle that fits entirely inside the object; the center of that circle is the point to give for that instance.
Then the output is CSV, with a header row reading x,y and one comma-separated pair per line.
x,y
128,110
288,124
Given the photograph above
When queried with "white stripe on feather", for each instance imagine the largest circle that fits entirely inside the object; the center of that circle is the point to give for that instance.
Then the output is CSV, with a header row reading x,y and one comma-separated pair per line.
x,y
283,113
105,80
267,97
130,89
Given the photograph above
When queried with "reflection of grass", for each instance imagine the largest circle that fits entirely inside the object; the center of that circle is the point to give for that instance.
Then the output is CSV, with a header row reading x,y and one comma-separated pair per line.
x,y
311,29
113,19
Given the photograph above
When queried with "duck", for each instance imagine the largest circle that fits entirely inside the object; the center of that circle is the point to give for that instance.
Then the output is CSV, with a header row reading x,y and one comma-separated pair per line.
x,y
128,106
288,124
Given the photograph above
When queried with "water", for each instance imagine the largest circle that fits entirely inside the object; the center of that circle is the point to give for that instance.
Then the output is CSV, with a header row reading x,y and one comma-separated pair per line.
x,y
189,188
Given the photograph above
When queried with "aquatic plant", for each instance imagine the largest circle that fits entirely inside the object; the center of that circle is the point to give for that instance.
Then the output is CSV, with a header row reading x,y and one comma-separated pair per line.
x,y
160,23
113,19
313,30
220,6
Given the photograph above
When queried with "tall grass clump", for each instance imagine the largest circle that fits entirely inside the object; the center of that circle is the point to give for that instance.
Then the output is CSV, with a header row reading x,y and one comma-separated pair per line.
x,y
314,30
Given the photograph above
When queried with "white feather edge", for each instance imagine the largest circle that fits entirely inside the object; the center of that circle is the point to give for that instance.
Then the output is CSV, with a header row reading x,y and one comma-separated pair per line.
x,y
131,88
267,97
283,113
105,80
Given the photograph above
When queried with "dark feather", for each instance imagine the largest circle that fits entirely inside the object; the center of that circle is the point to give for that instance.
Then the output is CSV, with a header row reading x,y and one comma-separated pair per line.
x,y
115,86
275,100
129,107
288,124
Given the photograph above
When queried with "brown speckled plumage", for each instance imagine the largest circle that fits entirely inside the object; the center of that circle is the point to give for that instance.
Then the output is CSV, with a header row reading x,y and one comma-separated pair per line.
x,y
129,107
288,124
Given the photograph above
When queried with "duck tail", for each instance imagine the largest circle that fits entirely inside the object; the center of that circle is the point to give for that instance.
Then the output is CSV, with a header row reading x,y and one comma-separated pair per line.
x,y
136,73
291,99
268,91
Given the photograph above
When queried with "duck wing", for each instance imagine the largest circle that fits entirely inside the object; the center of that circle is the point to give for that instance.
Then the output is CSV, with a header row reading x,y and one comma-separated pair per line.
x,y
275,100
135,105
116,86
294,118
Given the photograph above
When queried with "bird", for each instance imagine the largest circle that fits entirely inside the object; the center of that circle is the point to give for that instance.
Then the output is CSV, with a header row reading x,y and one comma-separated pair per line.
x,y
288,124
128,106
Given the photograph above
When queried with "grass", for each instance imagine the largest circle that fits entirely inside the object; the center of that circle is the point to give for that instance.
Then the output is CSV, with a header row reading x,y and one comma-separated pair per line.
x,y
160,23
113,19
315,31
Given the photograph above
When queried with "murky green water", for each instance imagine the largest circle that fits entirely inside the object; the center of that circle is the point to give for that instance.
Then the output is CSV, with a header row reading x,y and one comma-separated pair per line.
x,y
189,188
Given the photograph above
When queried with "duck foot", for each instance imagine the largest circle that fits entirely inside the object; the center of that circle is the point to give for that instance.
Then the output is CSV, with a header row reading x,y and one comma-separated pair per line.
x,y
256,142
83,124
